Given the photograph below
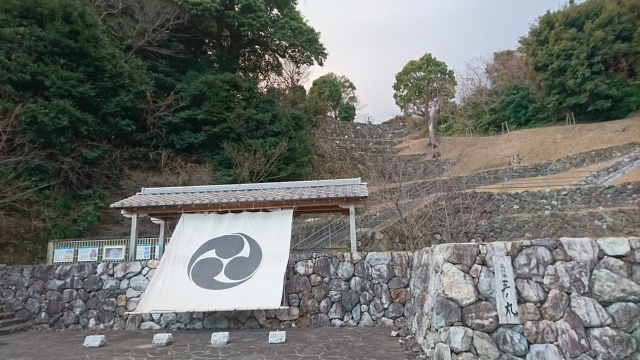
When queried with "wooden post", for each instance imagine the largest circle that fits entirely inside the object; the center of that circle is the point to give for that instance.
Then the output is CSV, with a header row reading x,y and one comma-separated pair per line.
x,y
161,239
50,253
352,227
134,237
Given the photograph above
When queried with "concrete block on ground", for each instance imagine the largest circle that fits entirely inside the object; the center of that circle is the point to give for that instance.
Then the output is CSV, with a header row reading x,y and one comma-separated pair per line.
x,y
219,338
95,341
277,337
162,339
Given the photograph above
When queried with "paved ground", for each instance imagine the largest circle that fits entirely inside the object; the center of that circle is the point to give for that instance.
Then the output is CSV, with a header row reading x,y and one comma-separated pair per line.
x,y
313,344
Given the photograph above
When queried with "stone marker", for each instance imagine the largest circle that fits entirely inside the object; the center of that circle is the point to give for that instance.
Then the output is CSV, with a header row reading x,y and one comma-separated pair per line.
x,y
95,341
277,337
219,338
506,298
162,339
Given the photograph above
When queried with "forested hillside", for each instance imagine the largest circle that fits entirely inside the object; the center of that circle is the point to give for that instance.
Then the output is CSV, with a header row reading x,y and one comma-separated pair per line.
x,y
188,91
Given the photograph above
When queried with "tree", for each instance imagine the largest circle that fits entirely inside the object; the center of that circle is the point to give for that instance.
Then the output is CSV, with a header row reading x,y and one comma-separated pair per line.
x,y
335,96
586,56
421,87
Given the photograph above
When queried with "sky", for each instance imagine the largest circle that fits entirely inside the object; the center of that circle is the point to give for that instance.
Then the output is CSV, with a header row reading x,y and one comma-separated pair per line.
x,y
369,41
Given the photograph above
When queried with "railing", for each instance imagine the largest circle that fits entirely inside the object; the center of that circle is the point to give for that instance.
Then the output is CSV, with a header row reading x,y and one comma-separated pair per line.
x,y
97,251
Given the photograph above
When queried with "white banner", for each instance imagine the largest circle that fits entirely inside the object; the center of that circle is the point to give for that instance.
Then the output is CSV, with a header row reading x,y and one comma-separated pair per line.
x,y
222,263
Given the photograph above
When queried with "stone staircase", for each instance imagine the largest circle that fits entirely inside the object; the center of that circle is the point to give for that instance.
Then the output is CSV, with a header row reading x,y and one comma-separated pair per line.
x,y
9,324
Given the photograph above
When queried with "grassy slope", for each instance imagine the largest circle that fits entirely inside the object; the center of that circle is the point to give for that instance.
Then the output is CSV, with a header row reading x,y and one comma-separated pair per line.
x,y
532,145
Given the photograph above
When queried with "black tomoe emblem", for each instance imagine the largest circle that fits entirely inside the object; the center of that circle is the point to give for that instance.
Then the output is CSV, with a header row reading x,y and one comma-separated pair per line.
x,y
203,271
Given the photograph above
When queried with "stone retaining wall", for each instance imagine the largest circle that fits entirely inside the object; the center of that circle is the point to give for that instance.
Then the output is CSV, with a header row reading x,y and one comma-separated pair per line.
x,y
339,289
577,299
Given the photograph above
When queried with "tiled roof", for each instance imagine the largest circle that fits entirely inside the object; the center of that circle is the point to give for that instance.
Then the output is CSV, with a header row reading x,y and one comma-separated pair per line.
x,y
218,194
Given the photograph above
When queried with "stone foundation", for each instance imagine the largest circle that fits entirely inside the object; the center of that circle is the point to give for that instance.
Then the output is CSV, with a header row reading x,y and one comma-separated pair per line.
x,y
576,298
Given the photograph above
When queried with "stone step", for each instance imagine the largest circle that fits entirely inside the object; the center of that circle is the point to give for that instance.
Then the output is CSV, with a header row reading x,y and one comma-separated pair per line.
x,y
8,322
6,315
16,328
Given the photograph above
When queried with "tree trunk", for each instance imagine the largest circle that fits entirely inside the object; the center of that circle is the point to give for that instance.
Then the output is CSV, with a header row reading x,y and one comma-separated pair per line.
x,y
433,144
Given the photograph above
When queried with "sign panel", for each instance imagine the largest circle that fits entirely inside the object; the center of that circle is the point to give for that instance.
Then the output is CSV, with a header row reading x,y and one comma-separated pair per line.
x,y
222,263
506,297
113,252
143,252
88,253
61,255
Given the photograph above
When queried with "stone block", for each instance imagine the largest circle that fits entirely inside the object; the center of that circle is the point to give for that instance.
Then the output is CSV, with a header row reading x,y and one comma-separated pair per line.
x,y
219,338
614,246
162,339
277,337
95,341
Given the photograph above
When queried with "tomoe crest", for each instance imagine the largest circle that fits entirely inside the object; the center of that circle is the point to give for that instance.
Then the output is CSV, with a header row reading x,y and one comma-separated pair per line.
x,y
213,273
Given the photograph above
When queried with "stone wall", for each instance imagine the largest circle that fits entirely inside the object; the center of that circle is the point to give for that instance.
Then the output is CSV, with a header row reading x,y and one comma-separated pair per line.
x,y
360,289
600,211
577,299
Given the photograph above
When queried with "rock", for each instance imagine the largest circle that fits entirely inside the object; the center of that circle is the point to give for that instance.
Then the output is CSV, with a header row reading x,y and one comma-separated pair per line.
x,y
69,318
614,246
304,267
567,277
608,287
481,316
464,254
540,332
162,339
376,258
308,305
132,304
394,311
487,284
322,267
221,338
168,319
616,266
532,262
338,285
32,305
398,282
349,299
131,293
466,356
95,341
381,291
298,284
550,244
400,264
381,273
441,352
139,283
590,311
494,249
315,280
324,306
336,311
216,321
320,320
510,341
446,312
458,338
345,270
528,312
555,306
153,264
358,284
294,300
127,269
583,250
362,269
458,286
530,290
289,314
544,352
608,343
485,346
149,325
571,335
626,316
399,295
365,320
356,313
320,292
